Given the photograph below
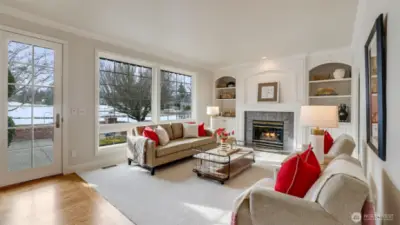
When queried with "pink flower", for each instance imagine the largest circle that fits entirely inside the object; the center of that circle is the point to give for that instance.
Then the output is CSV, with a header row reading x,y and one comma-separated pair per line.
x,y
233,132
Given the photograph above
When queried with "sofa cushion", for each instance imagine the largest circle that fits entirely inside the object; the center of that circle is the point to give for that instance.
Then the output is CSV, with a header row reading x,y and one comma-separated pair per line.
x,y
177,130
162,135
200,141
190,130
173,147
168,128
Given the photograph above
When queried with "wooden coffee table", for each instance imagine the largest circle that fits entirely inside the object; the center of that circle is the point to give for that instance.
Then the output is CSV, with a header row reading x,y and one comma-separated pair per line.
x,y
220,165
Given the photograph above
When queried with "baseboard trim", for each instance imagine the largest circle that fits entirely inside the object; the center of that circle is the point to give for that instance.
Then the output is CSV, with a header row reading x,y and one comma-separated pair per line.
x,y
95,164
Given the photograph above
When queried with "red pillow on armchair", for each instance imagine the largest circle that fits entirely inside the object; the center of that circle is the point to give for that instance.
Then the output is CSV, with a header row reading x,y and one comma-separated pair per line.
x,y
328,142
296,177
309,157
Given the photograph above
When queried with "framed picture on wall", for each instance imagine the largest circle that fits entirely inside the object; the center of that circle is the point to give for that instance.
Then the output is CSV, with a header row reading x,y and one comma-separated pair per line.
x,y
268,92
375,62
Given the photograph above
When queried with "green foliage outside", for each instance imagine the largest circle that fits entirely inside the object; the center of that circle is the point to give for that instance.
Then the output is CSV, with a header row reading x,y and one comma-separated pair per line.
x,y
112,140
11,89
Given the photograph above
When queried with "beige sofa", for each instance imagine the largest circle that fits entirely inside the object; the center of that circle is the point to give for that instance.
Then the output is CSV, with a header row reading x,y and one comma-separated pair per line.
x,y
177,148
341,197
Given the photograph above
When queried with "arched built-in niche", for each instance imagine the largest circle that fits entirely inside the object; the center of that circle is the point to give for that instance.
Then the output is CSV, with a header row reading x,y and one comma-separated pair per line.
x,y
327,87
225,95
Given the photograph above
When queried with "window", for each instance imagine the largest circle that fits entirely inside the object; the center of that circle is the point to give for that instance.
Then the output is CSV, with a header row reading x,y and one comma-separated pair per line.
x,y
112,138
176,96
124,92
126,88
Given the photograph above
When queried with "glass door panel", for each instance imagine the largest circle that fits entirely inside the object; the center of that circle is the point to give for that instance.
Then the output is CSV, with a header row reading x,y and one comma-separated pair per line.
x,y
32,107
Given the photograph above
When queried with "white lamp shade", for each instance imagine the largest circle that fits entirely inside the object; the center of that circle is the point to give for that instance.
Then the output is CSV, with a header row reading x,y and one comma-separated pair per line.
x,y
319,116
212,110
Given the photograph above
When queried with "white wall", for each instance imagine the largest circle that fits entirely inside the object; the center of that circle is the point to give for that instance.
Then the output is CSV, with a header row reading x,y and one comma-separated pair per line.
x,y
384,177
292,75
81,84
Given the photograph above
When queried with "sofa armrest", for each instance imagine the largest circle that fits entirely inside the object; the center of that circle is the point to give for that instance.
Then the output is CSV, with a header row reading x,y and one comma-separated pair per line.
x,y
150,151
270,207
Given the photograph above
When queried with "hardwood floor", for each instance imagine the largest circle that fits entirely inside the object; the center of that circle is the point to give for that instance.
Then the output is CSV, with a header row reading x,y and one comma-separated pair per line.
x,y
66,200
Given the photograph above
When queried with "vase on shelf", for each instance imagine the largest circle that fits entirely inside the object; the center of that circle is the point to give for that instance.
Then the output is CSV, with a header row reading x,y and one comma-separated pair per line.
x,y
343,112
339,73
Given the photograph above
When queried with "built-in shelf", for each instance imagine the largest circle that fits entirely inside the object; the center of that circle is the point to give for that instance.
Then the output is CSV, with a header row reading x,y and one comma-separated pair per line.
x,y
331,96
330,80
228,99
226,88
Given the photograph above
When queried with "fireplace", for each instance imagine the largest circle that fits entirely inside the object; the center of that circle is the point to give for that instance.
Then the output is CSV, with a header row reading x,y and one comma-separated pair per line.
x,y
269,134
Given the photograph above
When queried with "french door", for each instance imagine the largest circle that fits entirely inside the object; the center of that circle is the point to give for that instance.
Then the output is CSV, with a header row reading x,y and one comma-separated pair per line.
x,y
30,108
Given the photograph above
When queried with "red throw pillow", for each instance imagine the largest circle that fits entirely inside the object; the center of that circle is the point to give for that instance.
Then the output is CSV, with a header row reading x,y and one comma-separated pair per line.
x,y
309,157
296,177
328,142
151,134
202,131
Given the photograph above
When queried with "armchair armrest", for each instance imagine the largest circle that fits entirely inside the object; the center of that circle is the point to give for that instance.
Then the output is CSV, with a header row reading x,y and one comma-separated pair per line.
x,y
270,207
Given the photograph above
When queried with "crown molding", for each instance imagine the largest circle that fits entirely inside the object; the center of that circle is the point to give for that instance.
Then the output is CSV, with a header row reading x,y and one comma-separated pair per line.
x,y
140,48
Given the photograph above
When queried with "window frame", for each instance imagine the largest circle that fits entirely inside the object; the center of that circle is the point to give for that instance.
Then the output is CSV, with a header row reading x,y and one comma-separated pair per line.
x,y
155,99
104,128
193,93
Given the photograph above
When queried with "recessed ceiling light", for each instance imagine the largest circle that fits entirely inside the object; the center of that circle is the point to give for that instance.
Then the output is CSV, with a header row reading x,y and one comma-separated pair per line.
x,y
264,57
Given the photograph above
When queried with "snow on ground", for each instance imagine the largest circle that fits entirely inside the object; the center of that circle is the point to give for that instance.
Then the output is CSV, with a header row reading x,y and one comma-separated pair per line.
x,y
43,114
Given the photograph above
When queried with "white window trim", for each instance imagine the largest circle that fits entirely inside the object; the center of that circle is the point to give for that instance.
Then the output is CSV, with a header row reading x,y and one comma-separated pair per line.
x,y
114,127
156,97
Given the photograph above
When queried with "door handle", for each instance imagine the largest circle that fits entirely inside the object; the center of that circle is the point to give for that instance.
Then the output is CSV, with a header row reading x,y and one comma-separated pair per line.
x,y
58,120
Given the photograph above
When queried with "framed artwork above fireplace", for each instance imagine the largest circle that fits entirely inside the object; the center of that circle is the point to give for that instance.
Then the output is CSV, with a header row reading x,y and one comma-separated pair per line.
x,y
268,92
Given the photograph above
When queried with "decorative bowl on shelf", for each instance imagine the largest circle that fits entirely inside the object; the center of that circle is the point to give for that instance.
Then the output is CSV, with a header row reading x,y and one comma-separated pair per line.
x,y
325,92
319,77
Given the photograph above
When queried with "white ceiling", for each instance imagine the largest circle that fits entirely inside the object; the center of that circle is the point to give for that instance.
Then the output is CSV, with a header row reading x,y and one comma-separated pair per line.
x,y
210,33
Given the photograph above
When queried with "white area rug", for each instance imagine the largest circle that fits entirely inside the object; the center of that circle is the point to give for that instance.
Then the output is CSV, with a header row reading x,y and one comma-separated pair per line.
x,y
174,195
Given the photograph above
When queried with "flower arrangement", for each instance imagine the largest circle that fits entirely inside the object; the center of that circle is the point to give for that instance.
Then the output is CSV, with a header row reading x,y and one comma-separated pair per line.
x,y
223,135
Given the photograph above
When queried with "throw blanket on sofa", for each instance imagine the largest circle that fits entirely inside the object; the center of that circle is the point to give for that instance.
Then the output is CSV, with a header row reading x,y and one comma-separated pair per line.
x,y
137,146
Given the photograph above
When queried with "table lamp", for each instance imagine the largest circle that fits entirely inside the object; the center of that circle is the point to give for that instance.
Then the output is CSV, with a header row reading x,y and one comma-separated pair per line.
x,y
212,111
319,117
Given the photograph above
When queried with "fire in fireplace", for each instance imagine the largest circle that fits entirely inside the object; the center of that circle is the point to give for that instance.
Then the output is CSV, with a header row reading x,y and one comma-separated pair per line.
x,y
268,134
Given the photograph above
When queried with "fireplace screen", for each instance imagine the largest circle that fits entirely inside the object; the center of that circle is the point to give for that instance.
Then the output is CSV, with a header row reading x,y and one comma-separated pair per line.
x,y
268,134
